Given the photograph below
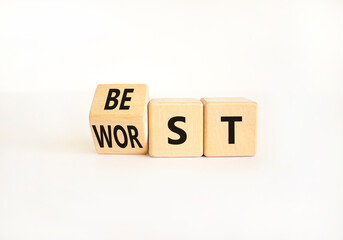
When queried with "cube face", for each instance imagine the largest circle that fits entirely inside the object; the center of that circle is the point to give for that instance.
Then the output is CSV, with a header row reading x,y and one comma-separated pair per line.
x,y
118,118
120,136
126,101
230,127
175,128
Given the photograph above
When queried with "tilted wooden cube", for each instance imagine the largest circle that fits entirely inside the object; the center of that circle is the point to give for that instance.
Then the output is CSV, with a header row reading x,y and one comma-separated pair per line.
x,y
230,126
118,118
175,128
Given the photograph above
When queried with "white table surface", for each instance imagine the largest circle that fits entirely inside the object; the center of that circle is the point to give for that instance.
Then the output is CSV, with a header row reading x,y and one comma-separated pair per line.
x,y
53,184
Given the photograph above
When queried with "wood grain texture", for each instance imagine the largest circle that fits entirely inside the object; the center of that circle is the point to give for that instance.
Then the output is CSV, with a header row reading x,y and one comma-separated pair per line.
x,y
121,131
161,111
216,128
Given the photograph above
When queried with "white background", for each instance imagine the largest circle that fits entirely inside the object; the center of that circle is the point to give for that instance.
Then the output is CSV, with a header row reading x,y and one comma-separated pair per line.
x,y
286,55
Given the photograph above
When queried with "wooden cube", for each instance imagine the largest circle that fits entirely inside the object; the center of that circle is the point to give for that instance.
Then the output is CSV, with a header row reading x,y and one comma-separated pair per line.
x,y
230,126
118,118
175,128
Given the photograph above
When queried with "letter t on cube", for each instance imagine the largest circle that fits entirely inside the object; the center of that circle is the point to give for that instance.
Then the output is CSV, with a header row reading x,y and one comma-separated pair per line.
x,y
118,118
229,127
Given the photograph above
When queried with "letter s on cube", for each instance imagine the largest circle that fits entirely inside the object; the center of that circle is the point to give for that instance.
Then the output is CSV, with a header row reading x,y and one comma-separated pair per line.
x,y
118,118
175,127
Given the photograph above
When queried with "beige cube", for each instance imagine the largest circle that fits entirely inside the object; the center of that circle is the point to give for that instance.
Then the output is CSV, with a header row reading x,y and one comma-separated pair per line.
x,y
175,128
230,127
118,118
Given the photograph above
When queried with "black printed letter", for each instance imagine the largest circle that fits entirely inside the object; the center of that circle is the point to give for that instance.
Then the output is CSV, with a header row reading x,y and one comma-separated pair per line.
x,y
115,133
172,127
133,136
112,98
102,135
231,121
125,98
